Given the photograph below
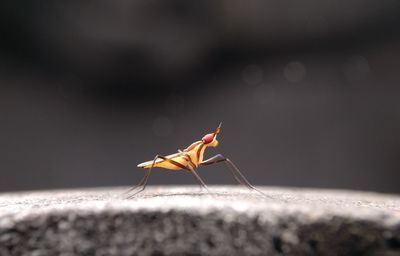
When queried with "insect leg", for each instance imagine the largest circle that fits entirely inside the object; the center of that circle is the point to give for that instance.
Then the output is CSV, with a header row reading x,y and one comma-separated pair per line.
x,y
138,185
188,167
232,167
217,159
142,184
229,163
201,182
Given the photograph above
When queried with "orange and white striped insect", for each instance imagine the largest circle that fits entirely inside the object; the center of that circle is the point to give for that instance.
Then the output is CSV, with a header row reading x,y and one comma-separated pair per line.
x,y
190,159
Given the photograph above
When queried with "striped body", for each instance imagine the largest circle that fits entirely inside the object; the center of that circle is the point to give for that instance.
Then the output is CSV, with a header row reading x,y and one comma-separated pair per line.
x,y
192,156
190,159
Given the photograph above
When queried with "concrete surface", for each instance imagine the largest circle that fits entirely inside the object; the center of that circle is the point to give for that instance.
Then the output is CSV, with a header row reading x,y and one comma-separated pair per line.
x,y
185,221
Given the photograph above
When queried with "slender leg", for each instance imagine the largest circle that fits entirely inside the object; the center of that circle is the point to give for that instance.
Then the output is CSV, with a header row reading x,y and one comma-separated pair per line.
x,y
201,182
142,184
232,167
138,185
220,158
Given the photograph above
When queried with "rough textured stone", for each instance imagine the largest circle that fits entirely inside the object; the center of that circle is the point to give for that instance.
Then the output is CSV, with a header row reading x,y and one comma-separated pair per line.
x,y
183,220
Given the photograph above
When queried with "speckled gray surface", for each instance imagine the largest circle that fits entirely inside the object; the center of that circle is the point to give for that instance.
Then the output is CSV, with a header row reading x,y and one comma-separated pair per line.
x,y
185,221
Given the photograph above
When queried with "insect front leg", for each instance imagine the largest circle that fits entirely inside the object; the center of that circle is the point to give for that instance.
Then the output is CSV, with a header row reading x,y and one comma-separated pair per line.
x,y
239,177
220,158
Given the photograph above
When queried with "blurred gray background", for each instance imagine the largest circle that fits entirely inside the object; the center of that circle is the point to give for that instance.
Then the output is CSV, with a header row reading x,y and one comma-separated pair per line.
x,y
308,91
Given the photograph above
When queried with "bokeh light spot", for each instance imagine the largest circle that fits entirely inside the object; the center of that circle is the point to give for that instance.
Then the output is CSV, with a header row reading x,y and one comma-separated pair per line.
x,y
294,71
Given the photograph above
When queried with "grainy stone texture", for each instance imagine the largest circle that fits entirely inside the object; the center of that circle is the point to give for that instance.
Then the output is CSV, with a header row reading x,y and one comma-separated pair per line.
x,y
185,221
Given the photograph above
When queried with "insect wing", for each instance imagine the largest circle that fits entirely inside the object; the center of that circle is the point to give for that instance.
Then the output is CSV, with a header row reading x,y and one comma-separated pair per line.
x,y
162,163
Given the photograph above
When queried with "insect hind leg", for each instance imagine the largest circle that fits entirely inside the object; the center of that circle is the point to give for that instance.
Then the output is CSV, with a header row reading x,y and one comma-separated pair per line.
x,y
138,185
142,184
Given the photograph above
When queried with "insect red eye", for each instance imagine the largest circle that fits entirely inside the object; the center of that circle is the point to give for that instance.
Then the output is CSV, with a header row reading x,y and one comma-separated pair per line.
x,y
208,138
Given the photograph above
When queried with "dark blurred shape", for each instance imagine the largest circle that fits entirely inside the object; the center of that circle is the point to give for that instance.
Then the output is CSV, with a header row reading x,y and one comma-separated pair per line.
x,y
308,91
121,47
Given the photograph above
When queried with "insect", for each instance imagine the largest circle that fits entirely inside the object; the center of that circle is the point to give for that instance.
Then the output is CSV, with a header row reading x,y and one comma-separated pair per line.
x,y
189,160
